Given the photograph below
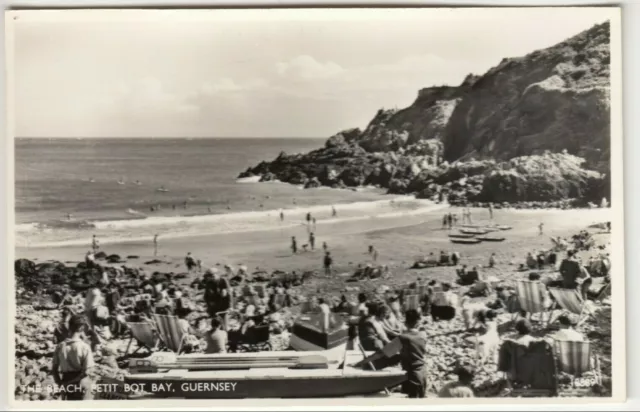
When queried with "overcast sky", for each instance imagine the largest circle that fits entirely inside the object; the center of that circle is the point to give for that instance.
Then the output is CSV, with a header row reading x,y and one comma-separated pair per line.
x,y
304,73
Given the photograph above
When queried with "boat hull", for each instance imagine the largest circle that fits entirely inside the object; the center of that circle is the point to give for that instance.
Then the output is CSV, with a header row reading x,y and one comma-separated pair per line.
x,y
318,386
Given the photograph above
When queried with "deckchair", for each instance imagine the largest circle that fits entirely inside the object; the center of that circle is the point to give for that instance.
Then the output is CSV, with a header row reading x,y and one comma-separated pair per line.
x,y
412,302
575,358
531,298
530,370
145,334
169,331
570,300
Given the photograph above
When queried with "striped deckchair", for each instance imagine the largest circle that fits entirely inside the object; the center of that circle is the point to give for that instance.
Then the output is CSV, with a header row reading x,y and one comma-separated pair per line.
x,y
412,302
531,296
575,358
145,334
571,301
169,331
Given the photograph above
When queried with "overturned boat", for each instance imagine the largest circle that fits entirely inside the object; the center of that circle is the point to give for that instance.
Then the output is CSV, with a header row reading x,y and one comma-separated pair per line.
x,y
474,231
491,238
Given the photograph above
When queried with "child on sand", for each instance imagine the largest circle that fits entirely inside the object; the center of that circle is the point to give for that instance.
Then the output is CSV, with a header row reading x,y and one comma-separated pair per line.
x,y
460,388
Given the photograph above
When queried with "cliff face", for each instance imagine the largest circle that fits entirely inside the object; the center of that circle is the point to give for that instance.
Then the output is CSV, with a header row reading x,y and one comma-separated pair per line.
x,y
554,100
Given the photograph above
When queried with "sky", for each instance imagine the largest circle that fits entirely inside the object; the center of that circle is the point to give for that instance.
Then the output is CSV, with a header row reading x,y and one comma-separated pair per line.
x,y
254,73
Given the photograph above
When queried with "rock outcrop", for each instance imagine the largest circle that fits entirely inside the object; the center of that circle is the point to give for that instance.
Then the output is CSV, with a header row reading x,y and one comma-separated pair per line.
x,y
533,128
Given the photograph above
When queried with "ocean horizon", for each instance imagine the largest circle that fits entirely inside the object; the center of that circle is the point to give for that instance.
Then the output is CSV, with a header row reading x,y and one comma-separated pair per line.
x,y
69,188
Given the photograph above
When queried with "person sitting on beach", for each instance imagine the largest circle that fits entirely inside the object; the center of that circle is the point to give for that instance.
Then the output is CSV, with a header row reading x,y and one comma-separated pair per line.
x,y
372,335
216,338
444,258
443,306
362,309
523,333
190,337
73,362
492,260
390,324
532,263
460,388
567,332
344,306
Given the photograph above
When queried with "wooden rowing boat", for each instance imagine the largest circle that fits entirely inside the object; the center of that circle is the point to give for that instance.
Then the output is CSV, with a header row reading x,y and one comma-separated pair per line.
x,y
315,377
490,239
462,241
316,332
460,236
474,231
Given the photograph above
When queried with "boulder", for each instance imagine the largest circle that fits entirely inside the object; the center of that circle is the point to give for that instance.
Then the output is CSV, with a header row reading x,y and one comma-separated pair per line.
x,y
312,183
24,268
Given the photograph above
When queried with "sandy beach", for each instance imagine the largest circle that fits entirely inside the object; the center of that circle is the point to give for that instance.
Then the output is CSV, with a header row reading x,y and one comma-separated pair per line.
x,y
400,240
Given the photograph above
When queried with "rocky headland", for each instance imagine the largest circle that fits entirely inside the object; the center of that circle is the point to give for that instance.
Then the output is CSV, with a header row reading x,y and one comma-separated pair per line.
x,y
533,131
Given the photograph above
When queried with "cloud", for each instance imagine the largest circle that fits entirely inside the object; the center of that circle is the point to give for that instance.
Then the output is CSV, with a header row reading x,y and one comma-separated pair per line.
x,y
229,85
306,67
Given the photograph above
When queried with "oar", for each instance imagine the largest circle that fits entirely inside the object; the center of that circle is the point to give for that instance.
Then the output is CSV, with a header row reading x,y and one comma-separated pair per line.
x,y
371,364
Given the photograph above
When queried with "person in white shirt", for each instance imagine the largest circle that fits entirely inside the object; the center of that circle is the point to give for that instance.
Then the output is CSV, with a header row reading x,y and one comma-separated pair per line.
x,y
566,331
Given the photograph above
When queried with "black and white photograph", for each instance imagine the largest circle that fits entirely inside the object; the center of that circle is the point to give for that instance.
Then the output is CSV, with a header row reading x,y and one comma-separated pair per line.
x,y
354,205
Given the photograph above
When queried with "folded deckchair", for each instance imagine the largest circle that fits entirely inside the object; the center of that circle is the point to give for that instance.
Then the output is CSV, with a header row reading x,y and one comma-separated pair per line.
x,y
575,358
531,296
145,334
571,300
169,332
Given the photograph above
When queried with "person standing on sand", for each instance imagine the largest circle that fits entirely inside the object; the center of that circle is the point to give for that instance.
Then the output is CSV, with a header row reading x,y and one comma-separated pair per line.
x,y
328,263
450,220
334,213
95,245
444,221
541,228
281,216
312,241
155,245
294,245
469,215
313,221
325,247
490,211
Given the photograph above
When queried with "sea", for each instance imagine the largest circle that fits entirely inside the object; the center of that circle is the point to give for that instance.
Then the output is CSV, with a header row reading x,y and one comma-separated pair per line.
x,y
131,189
